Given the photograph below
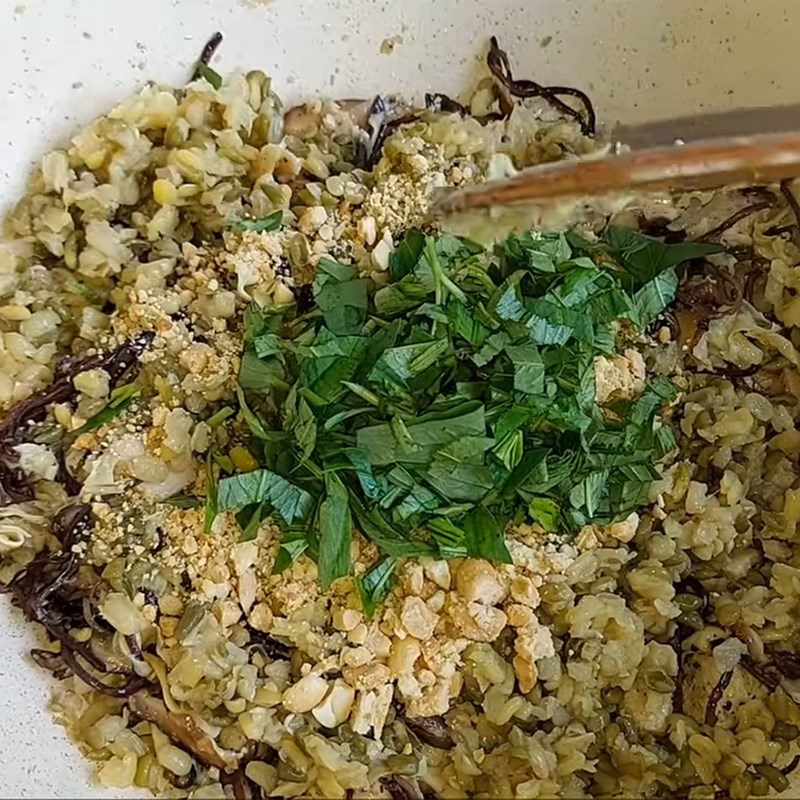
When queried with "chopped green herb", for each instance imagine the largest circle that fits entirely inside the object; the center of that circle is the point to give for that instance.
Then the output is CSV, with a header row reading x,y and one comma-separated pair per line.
x,y
263,486
335,532
430,412
291,549
484,538
208,74
545,511
405,258
119,400
644,257
212,499
654,297
272,222
216,419
184,501
257,427
222,461
250,519
341,297
374,585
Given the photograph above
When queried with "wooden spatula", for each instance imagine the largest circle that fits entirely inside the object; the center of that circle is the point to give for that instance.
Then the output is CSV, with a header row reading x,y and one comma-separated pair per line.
x,y
702,164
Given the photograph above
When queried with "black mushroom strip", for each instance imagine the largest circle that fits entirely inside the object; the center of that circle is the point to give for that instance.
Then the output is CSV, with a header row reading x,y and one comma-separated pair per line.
x,y
708,291
383,123
399,789
184,781
791,766
303,297
659,227
436,101
63,476
702,298
787,664
738,216
15,486
243,788
716,695
183,730
386,126
750,266
271,647
776,666
509,88
51,590
207,53
52,662
765,673
431,730
115,362
681,633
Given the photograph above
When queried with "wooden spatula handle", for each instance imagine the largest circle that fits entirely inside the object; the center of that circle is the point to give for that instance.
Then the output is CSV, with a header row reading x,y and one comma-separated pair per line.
x,y
698,165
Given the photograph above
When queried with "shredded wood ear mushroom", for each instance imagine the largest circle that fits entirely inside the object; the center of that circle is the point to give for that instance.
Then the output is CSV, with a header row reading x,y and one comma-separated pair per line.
x,y
500,67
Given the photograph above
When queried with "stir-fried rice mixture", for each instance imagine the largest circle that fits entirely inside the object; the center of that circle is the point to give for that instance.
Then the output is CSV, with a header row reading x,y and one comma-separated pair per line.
x,y
637,638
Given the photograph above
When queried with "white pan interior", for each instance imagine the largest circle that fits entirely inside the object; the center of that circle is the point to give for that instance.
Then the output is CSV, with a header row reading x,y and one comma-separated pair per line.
x,y
63,61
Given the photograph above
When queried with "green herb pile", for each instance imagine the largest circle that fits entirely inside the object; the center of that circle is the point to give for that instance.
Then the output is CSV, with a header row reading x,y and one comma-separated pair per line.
x,y
432,411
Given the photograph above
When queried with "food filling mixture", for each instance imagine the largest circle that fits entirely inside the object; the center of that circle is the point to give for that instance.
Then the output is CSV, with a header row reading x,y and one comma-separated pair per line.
x,y
312,497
